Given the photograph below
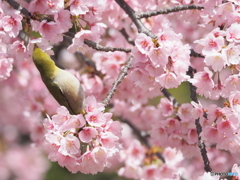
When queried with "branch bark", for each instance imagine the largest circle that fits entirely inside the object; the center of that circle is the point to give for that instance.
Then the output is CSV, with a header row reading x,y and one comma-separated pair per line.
x,y
201,144
148,14
118,81
131,13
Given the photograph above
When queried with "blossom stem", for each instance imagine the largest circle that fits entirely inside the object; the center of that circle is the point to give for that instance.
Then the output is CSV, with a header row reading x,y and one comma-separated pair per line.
x,y
148,14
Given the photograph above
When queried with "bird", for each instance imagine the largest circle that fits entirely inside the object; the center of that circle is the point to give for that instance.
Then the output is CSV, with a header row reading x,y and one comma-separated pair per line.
x,y
63,85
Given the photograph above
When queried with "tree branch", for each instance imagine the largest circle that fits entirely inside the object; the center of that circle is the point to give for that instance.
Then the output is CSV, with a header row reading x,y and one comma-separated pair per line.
x,y
129,40
195,54
118,81
201,144
17,6
131,13
140,137
102,48
88,62
148,14
168,95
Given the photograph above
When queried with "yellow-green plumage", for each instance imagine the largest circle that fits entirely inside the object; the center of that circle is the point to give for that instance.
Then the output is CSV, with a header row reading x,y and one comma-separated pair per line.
x,y
63,85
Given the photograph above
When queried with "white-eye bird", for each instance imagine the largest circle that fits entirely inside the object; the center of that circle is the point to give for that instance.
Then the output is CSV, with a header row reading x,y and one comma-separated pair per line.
x,y
63,85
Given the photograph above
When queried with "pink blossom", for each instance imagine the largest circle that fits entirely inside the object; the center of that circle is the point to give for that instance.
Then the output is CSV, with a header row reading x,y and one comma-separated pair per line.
x,y
159,132
12,24
65,133
184,112
100,154
168,80
15,159
168,36
150,172
87,134
231,52
211,135
203,81
75,121
18,50
211,44
92,105
114,127
214,113
130,171
54,6
197,111
95,118
89,163
63,20
232,83
192,136
69,145
5,67
234,100
166,107
135,153
50,31
89,82
62,116
232,33
78,40
226,127
172,125
108,140
229,143
38,6
78,7
143,43
216,60
158,56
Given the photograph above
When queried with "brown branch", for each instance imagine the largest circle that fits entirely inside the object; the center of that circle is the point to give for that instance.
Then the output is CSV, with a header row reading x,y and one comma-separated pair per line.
x,y
148,14
103,48
131,13
168,95
17,6
201,144
143,139
129,40
195,54
118,81
88,62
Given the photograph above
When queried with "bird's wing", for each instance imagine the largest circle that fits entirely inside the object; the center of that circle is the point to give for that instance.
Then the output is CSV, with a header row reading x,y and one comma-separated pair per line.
x,y
71,90
59,95
65,101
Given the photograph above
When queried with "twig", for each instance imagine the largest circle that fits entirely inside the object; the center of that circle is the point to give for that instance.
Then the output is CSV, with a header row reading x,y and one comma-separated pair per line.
x,y
88,62
168,95
102,48
131,13
147,14
195,54
17,6
129,40
140,137
202,147
201,144
118,81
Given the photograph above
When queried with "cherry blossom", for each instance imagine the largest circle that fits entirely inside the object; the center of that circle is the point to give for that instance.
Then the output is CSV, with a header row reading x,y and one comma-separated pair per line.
x,y
128,56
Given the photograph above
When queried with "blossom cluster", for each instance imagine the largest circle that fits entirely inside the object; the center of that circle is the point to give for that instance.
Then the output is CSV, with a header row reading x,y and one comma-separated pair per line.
x,y
82,143
220,75
163,61
89,142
